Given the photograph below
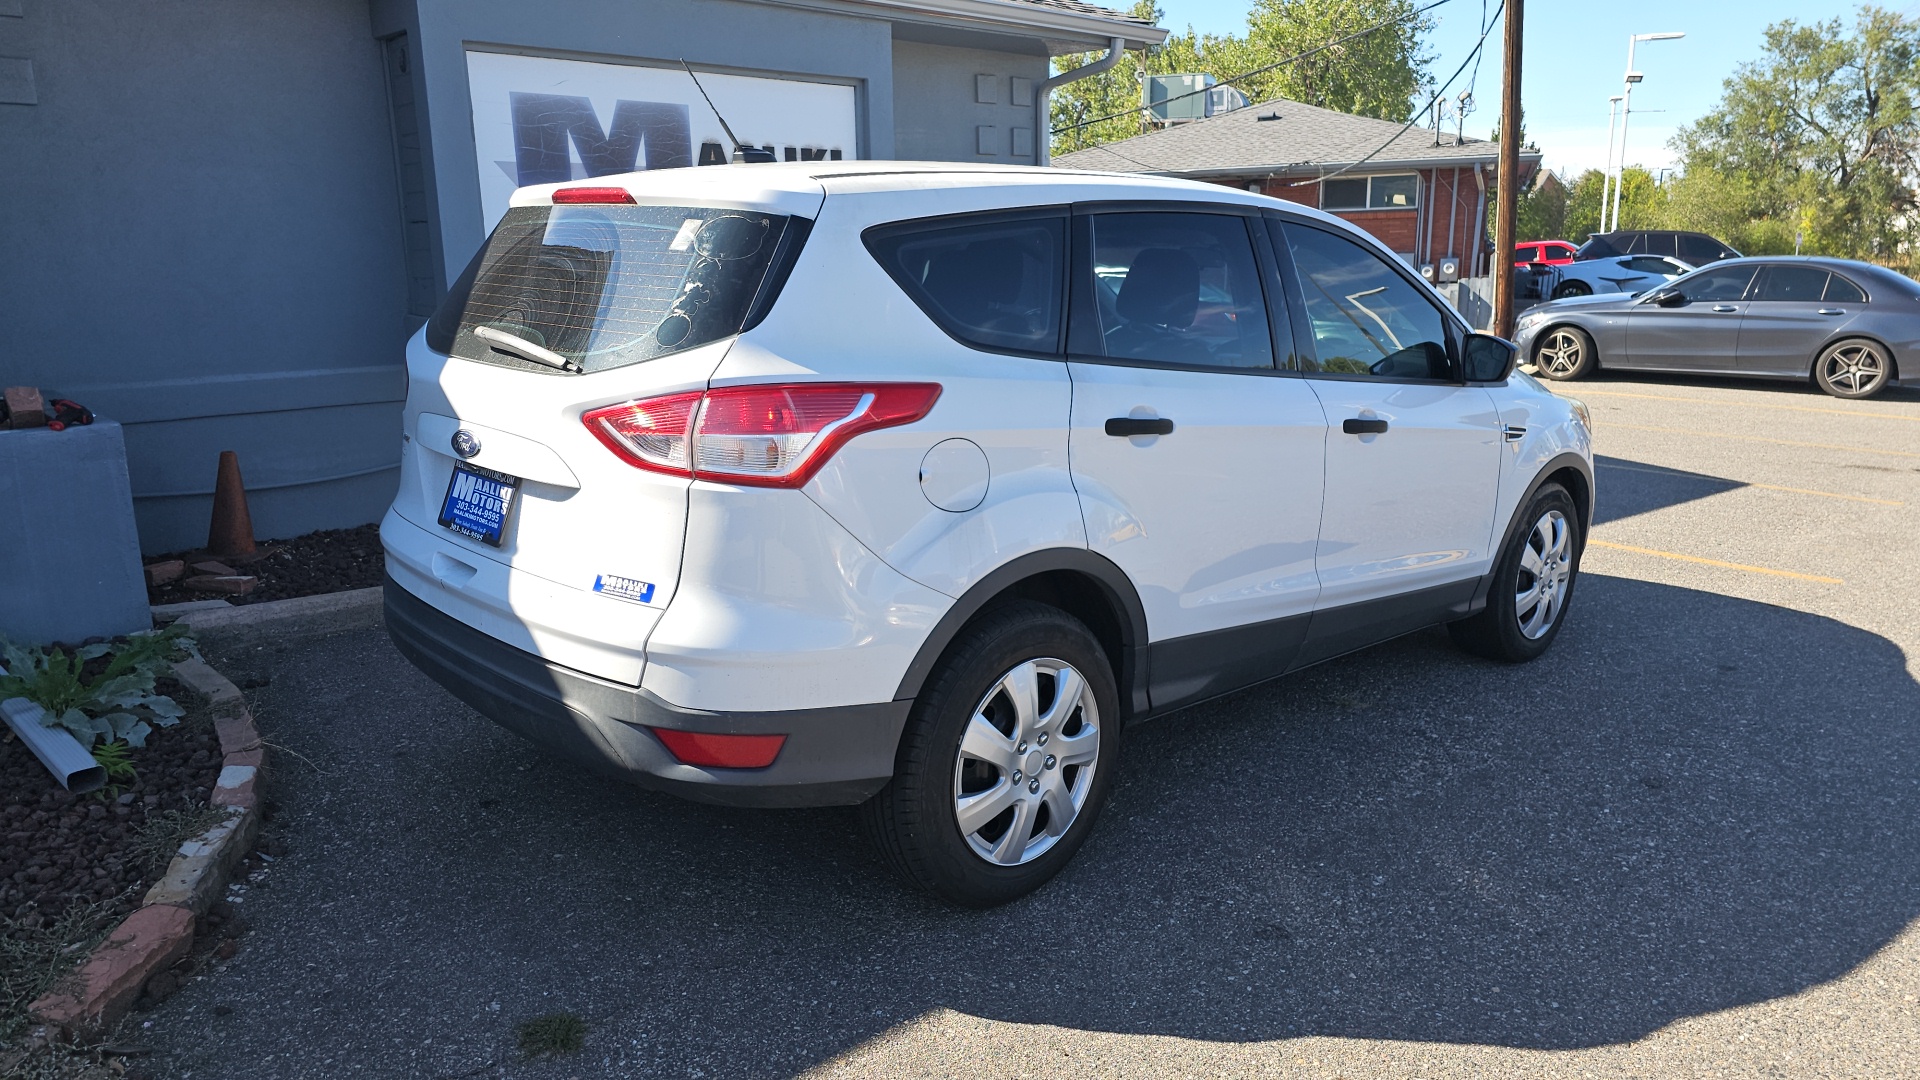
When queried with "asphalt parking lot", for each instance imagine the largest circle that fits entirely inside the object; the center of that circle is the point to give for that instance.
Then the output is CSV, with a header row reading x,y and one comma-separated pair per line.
x,y
1686,843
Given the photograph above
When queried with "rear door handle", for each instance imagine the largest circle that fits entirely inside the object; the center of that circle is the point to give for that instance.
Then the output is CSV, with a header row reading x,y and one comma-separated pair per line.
x,y
1833,311
1725,309
1124,426
1363,427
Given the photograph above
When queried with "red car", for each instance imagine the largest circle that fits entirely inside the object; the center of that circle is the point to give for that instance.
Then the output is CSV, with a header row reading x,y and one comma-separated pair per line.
x,y
1549,252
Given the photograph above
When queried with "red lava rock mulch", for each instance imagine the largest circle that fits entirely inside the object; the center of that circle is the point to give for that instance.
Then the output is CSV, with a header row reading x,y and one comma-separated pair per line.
x,y
331,560
58,849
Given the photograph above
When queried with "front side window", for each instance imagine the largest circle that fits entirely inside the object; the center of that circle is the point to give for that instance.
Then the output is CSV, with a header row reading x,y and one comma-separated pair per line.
x,y
1649,264
1366,318
993,283
1793,283
1179,289
590,287
1719,283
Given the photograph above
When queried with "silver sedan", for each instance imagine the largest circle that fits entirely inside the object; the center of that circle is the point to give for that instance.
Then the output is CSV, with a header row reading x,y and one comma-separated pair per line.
x,y
1846,325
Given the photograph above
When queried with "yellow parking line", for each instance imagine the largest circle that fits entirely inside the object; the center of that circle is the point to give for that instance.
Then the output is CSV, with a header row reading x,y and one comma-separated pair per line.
x,y
1584,392
1757,438
1715,562
1752,484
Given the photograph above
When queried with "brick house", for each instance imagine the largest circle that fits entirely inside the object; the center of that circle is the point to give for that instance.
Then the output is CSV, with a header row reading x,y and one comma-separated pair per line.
x,y
1426,196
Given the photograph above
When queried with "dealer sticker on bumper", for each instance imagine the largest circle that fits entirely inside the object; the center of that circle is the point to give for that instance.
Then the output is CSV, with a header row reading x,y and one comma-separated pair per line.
x,y
626,588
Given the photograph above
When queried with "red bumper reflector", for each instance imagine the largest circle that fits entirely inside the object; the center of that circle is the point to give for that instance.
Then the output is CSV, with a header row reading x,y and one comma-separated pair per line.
x,y
565,195
721,751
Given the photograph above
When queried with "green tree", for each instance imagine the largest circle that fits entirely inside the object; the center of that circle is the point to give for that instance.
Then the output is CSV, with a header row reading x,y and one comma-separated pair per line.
x,y
1542,210
1378,74
1819,135
1642,203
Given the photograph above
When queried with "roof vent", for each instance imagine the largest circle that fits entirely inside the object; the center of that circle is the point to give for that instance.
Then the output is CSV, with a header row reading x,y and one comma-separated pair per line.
x,y
1268,116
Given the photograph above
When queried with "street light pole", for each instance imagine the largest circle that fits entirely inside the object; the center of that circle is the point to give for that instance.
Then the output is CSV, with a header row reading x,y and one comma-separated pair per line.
x,y
1626,111
1606,171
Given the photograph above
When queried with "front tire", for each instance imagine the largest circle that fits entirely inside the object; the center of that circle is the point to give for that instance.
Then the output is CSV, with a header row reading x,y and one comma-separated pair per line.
x,y
1006,760
1566,352
1532,583
1854,368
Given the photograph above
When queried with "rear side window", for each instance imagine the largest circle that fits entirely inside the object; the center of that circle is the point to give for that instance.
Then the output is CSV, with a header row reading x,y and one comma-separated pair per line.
x,y
1842,291
587,288
1178,289
1793,283
993,283
1701,250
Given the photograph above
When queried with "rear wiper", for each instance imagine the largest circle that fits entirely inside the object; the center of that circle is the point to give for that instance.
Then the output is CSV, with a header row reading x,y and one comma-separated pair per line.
x,y
521,347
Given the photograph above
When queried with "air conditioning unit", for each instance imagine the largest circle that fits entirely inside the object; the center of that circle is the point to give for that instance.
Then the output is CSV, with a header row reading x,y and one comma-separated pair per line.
x,y
1178,99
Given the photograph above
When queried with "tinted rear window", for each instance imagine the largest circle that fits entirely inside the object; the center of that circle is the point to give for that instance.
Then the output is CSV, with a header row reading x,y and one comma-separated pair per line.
x,y
607,286
994,283
1597,247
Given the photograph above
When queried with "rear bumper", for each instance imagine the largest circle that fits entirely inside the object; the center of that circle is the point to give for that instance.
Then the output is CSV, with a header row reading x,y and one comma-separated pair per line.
x,y
836,756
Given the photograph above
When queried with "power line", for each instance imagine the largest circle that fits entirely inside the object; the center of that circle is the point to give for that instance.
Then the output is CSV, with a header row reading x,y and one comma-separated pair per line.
x,y
1383,24
1437,95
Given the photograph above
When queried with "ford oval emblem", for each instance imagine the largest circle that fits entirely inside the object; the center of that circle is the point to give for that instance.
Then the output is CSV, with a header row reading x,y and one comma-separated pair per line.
x,y
465,443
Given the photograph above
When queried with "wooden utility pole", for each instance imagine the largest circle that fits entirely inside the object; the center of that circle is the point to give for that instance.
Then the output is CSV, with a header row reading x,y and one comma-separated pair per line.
x,y
1507,184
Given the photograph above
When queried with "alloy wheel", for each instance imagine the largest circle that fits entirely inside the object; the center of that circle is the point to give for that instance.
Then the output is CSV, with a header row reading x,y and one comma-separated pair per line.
x,y
1546,565
1562,353
1026,762
1854,368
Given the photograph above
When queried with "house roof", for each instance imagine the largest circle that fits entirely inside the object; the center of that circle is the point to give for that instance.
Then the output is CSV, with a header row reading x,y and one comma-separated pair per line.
x,y
1282,137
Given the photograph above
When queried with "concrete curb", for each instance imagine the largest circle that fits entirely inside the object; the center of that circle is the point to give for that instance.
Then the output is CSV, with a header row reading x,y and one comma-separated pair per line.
x,y
300,615
159,933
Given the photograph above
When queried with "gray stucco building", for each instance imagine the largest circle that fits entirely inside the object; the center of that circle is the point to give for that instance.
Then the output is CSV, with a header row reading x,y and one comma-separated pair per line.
x,y
224,217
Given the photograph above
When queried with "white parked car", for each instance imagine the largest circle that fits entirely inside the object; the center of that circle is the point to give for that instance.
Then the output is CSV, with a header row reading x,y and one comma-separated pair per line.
x,y
856,483
1619,274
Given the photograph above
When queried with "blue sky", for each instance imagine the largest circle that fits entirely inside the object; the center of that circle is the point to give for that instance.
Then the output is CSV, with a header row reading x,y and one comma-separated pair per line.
x,y
1576,52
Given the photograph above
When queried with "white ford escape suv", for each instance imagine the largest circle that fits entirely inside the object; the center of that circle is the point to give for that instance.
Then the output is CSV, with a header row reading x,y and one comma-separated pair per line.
x,y
913,484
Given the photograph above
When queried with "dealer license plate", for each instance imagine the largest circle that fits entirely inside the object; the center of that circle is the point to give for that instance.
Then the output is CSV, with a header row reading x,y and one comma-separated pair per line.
x,y
478,502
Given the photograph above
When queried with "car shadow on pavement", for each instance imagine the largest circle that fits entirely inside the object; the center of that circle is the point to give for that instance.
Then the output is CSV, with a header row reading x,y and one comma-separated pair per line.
x,y
1630,487
1764,388
1694,802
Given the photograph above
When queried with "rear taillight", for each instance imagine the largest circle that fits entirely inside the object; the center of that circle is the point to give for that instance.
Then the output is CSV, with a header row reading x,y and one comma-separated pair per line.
x,y
566,195
764,436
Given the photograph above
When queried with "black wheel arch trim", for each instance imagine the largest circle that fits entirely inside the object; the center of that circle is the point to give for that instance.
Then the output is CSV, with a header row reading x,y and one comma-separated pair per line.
x,y
1114,585
1552,468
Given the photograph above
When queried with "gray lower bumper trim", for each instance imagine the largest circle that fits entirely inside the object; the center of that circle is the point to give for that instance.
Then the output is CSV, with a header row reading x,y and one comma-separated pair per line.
x,y
831,757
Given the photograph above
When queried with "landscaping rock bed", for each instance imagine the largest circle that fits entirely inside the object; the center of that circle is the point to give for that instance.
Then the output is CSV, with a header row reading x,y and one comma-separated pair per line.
x,y
58,849
331,560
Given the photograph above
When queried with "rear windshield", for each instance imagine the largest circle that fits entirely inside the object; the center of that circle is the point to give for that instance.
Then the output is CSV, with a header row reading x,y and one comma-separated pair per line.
x,y
587,288
1597,247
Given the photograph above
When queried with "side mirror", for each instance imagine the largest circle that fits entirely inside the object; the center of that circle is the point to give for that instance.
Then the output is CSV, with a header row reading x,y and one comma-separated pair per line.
x,y
1489,359
1669,298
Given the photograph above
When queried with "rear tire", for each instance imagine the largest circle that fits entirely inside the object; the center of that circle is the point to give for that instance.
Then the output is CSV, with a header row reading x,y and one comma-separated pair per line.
x,y
1565,352
1000,777
1854,368
1532,583
1572,288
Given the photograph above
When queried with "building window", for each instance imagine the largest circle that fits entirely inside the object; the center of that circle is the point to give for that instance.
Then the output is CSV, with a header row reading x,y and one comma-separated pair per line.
x,y
1398,192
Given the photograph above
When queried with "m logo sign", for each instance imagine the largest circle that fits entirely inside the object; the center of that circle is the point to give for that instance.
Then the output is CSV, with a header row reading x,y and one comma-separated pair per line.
x,y
538,120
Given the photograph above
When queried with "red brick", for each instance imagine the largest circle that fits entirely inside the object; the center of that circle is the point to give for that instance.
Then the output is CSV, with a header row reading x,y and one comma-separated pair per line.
x,y
253,758
215,567
237,733
161,573
94,997
25,408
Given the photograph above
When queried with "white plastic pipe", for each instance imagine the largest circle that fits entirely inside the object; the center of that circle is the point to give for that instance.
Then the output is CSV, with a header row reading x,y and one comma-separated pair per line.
x,y
1043,123
57,749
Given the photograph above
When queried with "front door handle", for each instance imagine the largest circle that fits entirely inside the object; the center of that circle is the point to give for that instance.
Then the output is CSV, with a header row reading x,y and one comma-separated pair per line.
x,y
1725,309
1833,311
1363,427
1124,426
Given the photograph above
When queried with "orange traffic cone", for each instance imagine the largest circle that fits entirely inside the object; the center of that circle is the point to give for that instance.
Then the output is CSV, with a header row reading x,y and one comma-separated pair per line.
x,y
231,532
